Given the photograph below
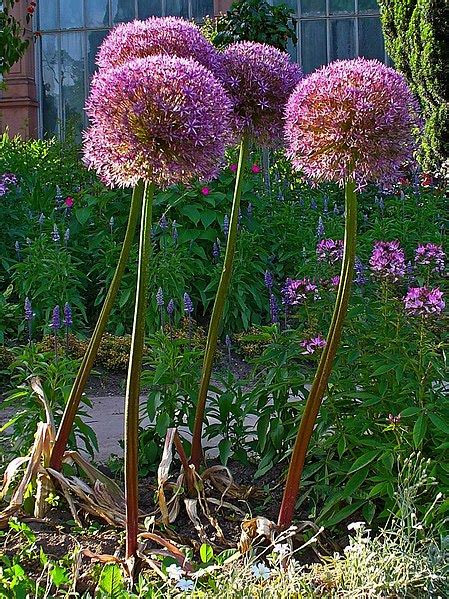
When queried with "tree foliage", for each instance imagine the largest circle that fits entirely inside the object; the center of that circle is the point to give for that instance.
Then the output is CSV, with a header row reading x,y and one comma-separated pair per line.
x,y
417,39
13,44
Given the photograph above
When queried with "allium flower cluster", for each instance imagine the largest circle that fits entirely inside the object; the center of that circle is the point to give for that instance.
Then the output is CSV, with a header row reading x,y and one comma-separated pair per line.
x,y
388,260
430,253
312,344
161,118
169,36
329,250
260,79
297,291
422,301
352,118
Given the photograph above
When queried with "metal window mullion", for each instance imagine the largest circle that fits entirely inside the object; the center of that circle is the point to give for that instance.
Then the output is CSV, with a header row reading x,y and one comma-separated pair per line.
x,y
328,32
39,90
61,119
86,73
110,13
356,27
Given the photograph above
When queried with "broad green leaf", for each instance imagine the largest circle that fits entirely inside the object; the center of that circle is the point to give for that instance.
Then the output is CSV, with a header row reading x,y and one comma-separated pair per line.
x,y
111,582
419,430
206,553
363,460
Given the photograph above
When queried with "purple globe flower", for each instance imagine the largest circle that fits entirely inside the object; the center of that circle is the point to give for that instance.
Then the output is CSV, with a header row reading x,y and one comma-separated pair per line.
x,y
388,260
260,79
329,250
352,118
430,254
169,36
297,291
422,301
160,118
313,344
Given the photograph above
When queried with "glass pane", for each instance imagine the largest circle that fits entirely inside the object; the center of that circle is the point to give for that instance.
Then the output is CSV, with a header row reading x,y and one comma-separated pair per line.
x,y
371,40
94,39
97,13
313,7
292,4
122,10
50,84
48,15
202,8
150,8
71,14
72,81
177,8
313,44
341,6
368,6
342,39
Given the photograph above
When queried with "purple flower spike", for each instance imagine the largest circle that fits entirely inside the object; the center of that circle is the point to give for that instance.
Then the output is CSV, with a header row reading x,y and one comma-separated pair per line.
x,y
188,306
388,260
352,118
168,36
28,309
312,344
161,118
329,250
359,268
226,225
249,210
174,232
215,250
320,228
430,254
68,322
313,204
160,297
268,280
41,219
228,342
421,301
56,319
170,307
274,309
55,234
260,79
163,223
297,291
336,210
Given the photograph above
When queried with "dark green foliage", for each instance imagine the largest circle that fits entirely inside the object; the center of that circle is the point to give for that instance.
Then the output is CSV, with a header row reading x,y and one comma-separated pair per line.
x,y
12,43
255,21
417,39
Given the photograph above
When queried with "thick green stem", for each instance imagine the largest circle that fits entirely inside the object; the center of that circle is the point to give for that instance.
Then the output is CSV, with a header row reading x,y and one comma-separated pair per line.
x,y
325,365
217,312
133,379
79,384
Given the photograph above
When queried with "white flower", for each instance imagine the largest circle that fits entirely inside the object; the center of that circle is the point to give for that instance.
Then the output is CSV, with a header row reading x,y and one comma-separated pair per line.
x,y
260,570
281,549
175,572
184,584
356,525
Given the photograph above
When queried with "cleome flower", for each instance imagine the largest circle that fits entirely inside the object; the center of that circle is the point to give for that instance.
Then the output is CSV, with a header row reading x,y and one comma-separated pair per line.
x,y
313,344
422,301
260,79
170,36
430,254
297,291
160,118
352,118
329,250
388,260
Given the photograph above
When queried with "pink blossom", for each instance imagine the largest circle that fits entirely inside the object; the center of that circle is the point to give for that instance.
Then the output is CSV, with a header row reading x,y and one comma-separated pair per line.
x,y
69,202
313,344
421,301
233,167
255,169
205,191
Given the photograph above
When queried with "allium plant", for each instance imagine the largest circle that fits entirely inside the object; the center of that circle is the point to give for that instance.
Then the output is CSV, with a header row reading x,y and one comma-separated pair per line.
x,y
168,36
259,79
351,122
387,261
340,119
158,120
422,301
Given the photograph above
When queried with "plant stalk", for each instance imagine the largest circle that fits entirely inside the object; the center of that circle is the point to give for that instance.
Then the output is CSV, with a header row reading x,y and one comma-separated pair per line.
x,y
326,362
134,372
79,384
217,311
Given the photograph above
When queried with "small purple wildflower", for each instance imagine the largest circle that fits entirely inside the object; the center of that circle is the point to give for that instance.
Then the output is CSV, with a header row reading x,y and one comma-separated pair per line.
x,y
67,236
188,305
160,297
228,342
336,210
326,203
297,291
56,319
59,198
163,222
313,344
320,228
274,309
359,268
388,260
268,280
313,204
329,250
55,233
335,281
430,254
28,309
215,250
422,301
170,307
68,322
226,225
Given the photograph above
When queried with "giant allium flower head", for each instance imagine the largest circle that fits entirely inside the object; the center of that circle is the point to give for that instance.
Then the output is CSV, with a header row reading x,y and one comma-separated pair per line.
x,y
422,301
352,118
388,260
260,79
170,36
160,118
